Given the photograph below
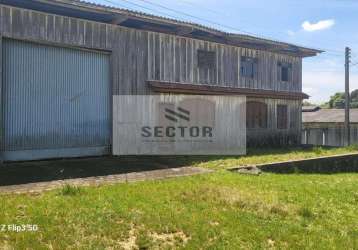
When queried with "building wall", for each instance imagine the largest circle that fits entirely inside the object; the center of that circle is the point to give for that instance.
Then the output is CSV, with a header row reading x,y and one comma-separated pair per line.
x,y
272,135
174,59
328,134
137,56
155,56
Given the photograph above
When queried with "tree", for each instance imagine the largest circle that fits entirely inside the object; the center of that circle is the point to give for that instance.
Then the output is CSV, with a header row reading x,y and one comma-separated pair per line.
x,y
337,101
307,103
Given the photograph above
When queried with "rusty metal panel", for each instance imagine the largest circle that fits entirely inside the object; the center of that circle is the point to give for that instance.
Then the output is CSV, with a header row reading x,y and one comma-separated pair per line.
x,y
54,99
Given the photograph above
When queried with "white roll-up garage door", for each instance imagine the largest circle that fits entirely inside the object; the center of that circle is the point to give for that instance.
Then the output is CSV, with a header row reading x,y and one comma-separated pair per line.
x,y
56,102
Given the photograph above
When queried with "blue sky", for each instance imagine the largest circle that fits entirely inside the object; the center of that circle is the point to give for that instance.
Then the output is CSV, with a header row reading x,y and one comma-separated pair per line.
x,y
326,24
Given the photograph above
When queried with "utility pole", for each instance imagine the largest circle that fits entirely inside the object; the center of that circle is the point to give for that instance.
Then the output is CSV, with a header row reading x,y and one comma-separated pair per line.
x,y
347,99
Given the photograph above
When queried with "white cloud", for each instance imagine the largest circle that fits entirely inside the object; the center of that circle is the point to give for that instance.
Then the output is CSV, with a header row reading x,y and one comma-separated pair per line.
x,y
320,25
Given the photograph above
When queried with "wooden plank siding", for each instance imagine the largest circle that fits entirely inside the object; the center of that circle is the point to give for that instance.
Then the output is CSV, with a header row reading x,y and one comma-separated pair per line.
x,y
167,51
272,135
138,56
155,56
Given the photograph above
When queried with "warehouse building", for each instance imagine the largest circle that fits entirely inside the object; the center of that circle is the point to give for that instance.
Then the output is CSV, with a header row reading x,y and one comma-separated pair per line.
x,y
325,127
62,61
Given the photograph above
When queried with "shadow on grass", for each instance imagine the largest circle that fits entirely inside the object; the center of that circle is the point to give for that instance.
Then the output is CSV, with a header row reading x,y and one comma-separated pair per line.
x,y
38,171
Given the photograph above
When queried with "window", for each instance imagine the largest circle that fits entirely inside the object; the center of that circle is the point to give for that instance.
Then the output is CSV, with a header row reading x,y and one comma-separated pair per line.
x,y
256,115
281,116
248,66
206,59
284,71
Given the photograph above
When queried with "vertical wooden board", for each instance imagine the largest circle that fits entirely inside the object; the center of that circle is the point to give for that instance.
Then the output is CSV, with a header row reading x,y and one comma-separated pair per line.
x,y
271,81
6,21
74,31
157,56
174,59
16,21
236,67
238,57
264,67
189,61
233,66
142,87
229,67
217,66
118,55
27,22
196,46
241,77
66,33
162,56
88,33
183,60
103,36
167,58
172,55
109,36
41,23
96,35
220,65
300,75
58,28
50,28
223,66
150,56
131,87
256,78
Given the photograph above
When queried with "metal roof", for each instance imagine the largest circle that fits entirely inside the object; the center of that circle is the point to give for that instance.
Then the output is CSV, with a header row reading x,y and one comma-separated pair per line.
x,y
140,20
329,116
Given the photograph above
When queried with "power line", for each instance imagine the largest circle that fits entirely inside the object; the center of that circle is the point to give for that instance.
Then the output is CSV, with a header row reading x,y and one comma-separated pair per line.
x,y
192,16
140,6
225,14
327,50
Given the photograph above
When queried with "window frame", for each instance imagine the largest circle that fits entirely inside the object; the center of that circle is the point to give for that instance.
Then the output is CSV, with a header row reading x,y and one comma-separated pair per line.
x,y
289,71
282,109
251,63
206,59
257,116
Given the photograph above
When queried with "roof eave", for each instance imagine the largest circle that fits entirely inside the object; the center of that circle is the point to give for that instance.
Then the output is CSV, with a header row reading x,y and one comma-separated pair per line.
x,y
122,17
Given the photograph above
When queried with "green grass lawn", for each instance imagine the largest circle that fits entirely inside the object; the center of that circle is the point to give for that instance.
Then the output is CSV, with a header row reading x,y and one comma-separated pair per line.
x,y
221,210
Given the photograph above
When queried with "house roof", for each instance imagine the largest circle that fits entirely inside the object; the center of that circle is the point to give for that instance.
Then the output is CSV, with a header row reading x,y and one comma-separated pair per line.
x,y
329,116
140,20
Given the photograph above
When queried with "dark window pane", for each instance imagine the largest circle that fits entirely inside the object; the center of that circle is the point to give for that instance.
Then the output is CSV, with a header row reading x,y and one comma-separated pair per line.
x,y
284,74
248,66
282,117
256,115
206,59
284,71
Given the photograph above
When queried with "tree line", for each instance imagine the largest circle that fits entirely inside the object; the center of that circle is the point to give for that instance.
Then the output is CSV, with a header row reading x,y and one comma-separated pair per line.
x,y
337,101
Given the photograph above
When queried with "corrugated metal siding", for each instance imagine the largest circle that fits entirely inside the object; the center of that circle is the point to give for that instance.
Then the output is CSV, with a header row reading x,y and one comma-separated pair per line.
x,y
55,97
